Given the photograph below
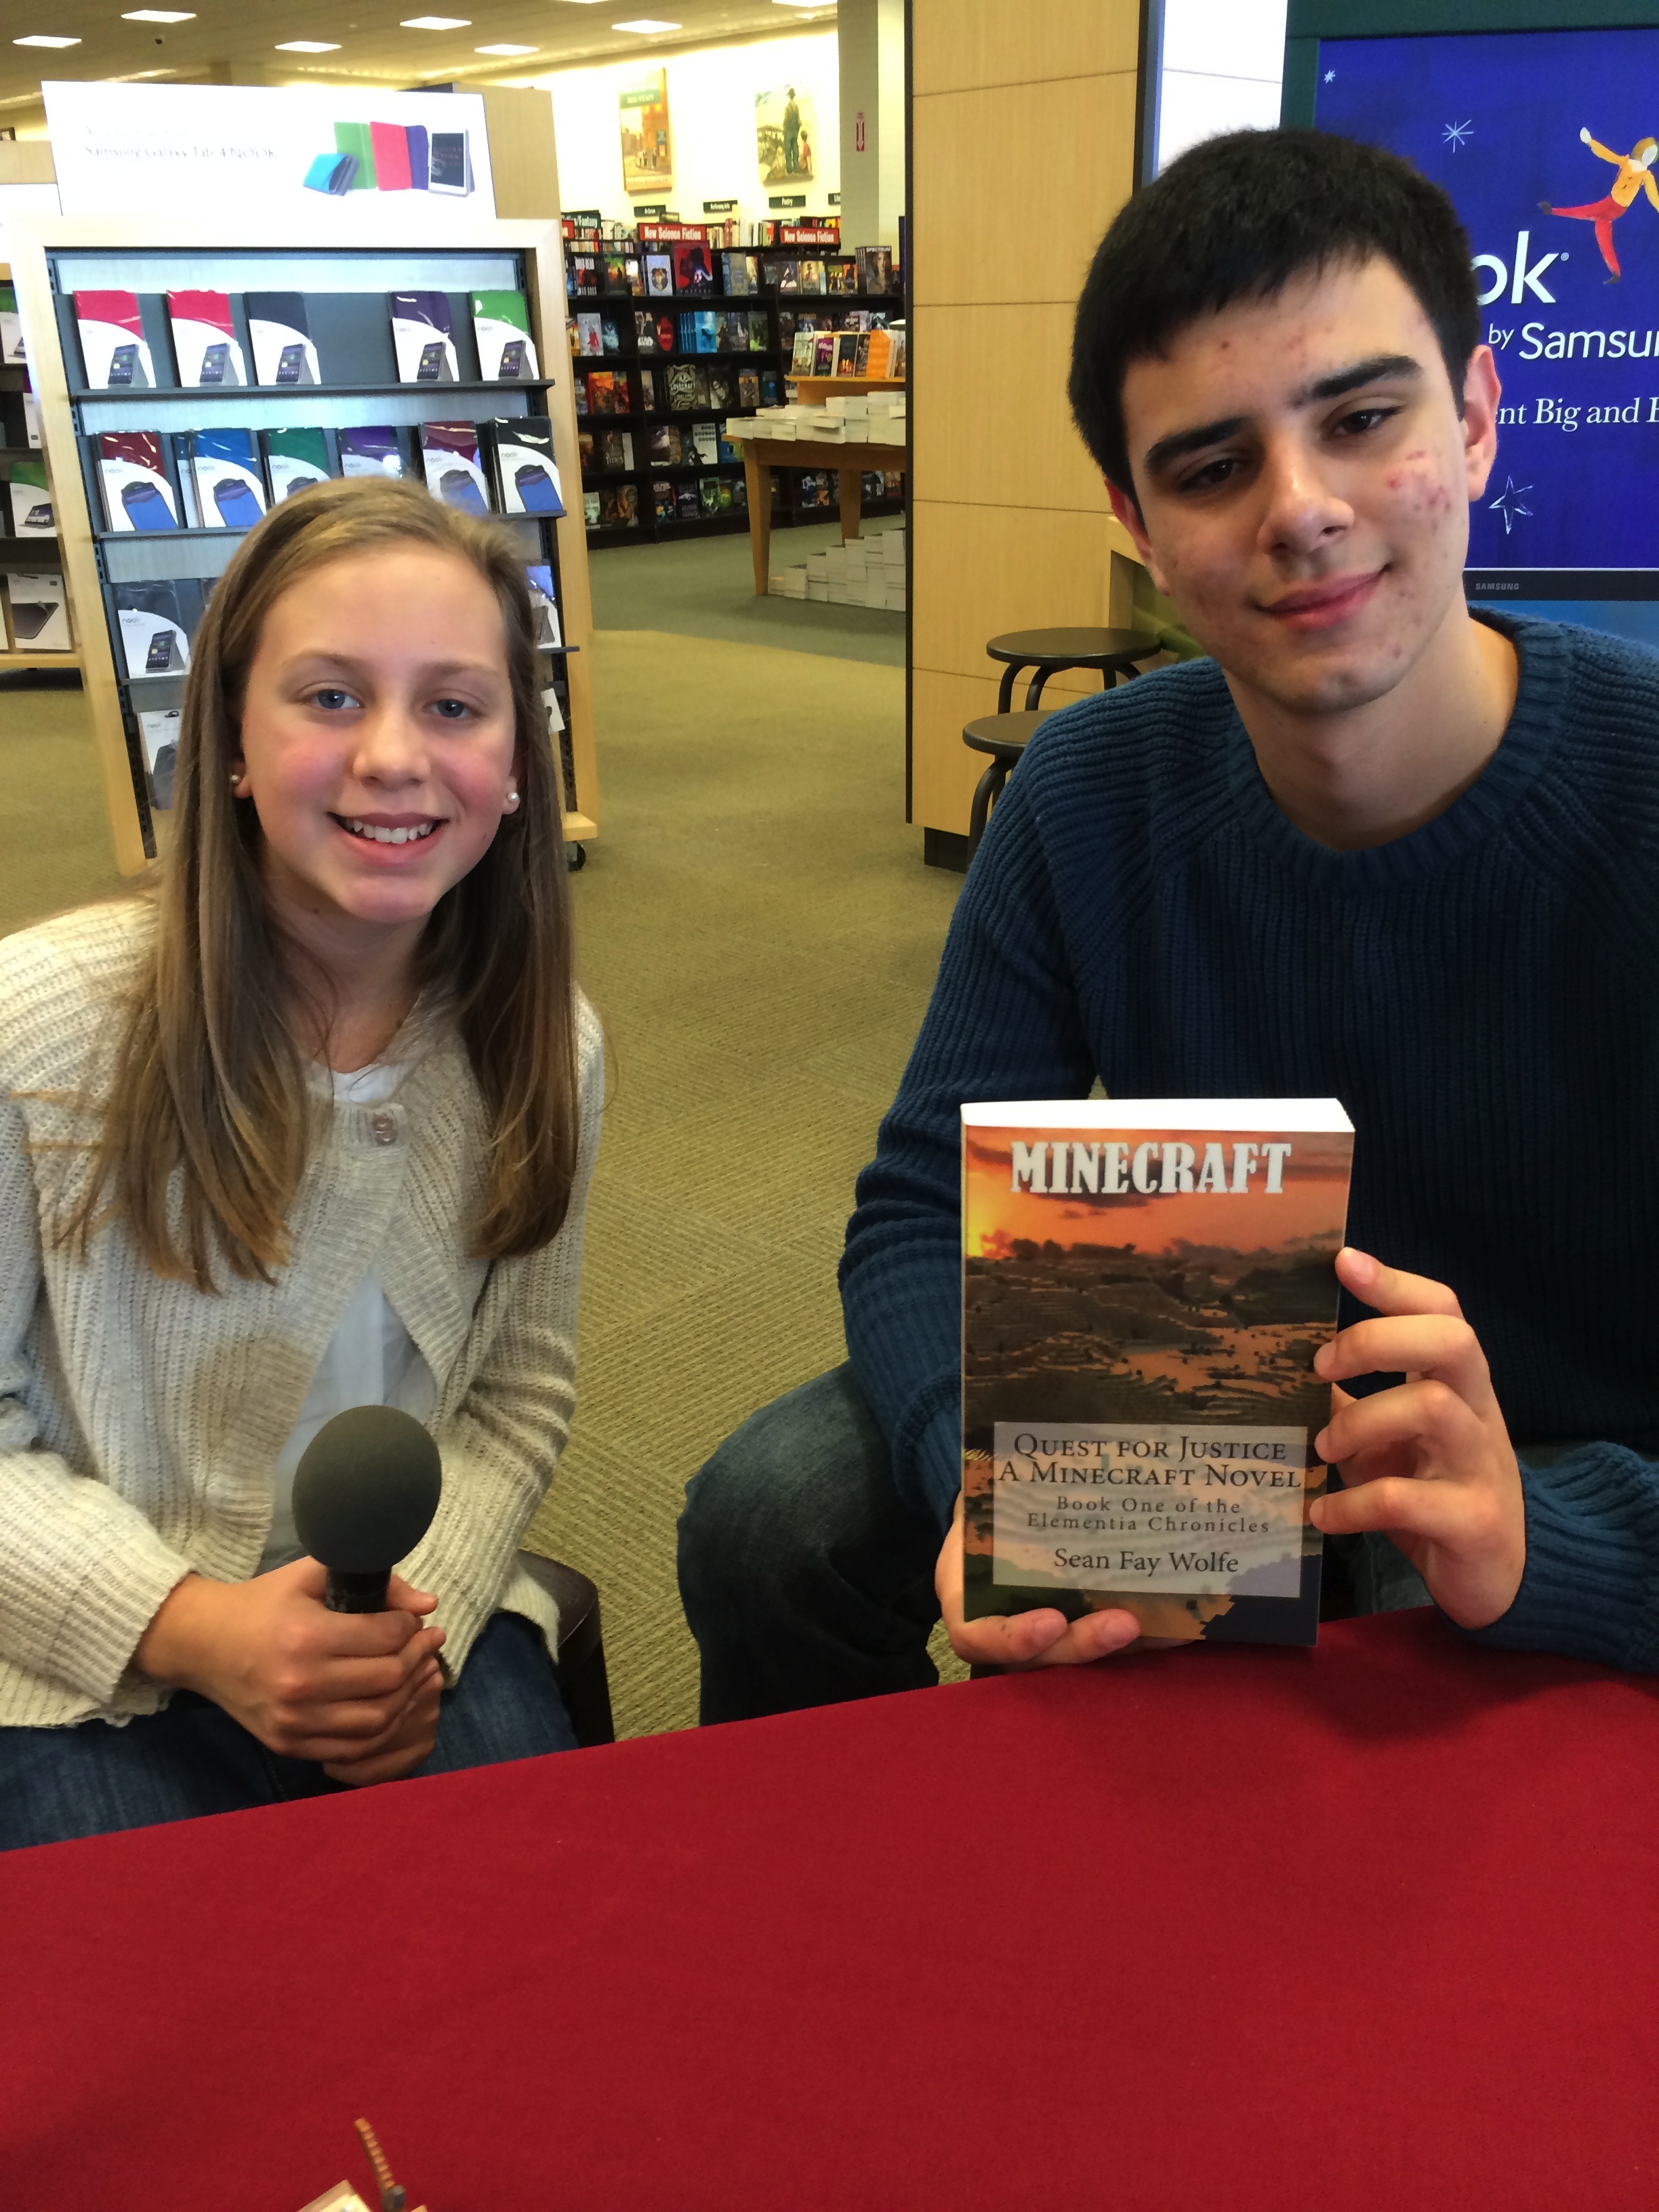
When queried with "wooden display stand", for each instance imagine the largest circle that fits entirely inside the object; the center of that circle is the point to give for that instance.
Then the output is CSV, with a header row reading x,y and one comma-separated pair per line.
x,y
849,460
150,254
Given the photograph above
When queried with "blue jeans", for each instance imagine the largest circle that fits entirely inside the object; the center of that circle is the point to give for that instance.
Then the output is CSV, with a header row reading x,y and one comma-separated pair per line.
x,y
194,1759
807,1579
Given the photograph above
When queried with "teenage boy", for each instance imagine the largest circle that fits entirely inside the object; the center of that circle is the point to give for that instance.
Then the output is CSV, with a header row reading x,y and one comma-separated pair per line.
x,y
1374,848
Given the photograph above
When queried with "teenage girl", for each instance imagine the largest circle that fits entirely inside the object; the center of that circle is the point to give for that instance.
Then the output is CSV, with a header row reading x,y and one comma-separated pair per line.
x,y
307,1125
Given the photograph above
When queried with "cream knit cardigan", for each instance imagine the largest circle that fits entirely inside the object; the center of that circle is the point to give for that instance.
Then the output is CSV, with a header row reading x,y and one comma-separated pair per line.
x,y
140,1419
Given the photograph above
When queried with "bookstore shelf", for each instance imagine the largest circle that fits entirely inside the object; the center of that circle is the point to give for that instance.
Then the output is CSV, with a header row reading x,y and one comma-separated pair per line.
x,y
165,436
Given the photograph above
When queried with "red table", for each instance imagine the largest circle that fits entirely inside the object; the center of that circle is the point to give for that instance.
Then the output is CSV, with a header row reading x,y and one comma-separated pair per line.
x,y
1267,1932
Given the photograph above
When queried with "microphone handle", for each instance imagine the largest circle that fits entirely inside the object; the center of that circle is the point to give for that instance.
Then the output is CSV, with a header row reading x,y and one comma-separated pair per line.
x,y
357,1593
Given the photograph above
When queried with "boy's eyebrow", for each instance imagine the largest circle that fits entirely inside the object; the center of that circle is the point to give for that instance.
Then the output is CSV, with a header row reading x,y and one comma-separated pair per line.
x,y
1375,370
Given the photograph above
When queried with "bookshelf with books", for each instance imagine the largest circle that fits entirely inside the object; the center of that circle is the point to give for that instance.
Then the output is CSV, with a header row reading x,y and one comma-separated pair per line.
x,y
186,387
35,625
674,333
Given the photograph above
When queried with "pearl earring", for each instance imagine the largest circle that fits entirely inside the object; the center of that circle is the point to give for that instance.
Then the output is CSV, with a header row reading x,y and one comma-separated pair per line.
x,y
236,779
511,800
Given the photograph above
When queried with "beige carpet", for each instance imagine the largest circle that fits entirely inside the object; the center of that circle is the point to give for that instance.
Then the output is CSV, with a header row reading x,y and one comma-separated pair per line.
x,y
760,936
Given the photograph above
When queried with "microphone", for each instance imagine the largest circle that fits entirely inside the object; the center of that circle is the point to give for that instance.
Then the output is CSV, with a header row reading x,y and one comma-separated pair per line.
x,y
365,1492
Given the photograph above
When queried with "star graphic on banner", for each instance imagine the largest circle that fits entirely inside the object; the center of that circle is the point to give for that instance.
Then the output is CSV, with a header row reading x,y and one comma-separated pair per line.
x,y
1508,502
1458,134
1330,76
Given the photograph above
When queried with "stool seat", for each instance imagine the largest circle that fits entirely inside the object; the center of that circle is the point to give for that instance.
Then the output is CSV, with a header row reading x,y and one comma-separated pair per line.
x,y
580,1668
1111,652
1005,737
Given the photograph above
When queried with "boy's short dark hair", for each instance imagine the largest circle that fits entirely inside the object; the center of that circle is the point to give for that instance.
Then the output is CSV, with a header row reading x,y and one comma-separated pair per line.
x,y
1236,218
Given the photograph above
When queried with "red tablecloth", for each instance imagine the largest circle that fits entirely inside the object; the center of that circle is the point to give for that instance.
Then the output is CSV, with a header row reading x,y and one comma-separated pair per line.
x,y
1373,1926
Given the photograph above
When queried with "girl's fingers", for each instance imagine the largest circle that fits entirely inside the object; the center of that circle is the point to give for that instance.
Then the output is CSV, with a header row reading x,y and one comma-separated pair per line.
x,y
1390,1290
1430,1414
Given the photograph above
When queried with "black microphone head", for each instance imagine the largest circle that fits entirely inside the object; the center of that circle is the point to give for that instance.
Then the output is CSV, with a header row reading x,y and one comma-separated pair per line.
x,y
365,1489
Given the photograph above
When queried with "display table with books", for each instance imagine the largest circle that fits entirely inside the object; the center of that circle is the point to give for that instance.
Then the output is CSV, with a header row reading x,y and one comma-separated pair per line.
x,y
1359,1927
848,434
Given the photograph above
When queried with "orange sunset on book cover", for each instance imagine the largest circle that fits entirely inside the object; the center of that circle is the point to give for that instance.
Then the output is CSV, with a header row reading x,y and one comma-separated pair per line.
x,y
1144,1285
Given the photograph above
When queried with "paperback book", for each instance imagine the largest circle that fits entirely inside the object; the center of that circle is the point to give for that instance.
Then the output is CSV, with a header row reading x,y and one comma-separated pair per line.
x,y
590,336
280,334
132,471
204,342
658,276
114,351
501,323
759,339
1144,1285
293,458
452,459
647,390
527,479
602,391
422,336
693,271
662,500
662,446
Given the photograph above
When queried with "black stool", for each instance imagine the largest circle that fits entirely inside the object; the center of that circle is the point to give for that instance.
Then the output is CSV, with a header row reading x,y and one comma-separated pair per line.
x,y
1112,652
1005,737
580,1668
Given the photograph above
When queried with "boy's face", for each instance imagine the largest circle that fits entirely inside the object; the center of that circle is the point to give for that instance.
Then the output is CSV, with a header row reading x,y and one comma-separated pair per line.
x,y
1303,481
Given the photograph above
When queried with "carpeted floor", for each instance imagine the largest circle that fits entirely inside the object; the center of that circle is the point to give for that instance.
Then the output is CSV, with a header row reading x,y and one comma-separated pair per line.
x,y
759,935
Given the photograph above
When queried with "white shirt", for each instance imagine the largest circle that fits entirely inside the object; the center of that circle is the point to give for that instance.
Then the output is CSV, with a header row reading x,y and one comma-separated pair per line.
x,y
371,1359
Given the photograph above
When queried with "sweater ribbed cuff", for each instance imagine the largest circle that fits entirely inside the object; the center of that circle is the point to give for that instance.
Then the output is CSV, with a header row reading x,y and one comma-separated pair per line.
x,y
1590,1589
928,1450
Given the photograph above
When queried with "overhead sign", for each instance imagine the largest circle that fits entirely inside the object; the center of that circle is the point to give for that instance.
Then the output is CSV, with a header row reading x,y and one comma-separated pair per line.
x,y
263,153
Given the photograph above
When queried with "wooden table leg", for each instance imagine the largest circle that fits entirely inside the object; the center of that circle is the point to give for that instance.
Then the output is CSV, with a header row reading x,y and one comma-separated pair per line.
x,y
852,502
757,482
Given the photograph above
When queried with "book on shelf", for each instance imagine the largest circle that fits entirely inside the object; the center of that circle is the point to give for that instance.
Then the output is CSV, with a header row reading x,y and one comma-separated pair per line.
x,y
279,331
802,354
742,272
685,500
647,390
30,500
705,442
788,275
645,329
590,334
584,451
739,493
581,274
622,272
591,509
610,334
812,278
615,449
602,391
722,385
205,349
700,330
748,388
154,626
734,331
137,487
114,352
823,353
841,275
662,500
846,352
293,458
370,450
771,388
158,733
526,476
658,276
501,323
227,489
760,338
665,333
543,603
618,505
875,268
37,606
662,446
680,384
451,457
725,450
693,269
1144,1285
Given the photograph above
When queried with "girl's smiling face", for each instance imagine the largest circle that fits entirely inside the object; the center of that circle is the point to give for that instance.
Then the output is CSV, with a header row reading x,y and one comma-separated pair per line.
x,y
378,735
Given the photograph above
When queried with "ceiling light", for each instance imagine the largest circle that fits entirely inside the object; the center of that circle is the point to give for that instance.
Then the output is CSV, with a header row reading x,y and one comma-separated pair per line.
x,y
645,25
158,15
307,46
40,39
503,50
436,24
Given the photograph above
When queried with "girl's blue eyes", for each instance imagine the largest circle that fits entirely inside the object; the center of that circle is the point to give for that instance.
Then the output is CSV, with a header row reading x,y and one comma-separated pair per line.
x,y
333,700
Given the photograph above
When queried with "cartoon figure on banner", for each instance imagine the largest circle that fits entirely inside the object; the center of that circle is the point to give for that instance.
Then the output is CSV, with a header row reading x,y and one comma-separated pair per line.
x,y
1635,175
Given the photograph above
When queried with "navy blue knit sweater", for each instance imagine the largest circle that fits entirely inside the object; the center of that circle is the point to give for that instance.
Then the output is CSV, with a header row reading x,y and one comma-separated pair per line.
x,y
1482,995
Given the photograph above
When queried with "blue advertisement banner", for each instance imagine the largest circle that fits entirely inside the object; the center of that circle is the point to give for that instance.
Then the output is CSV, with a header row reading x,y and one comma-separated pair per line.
x,y
1544,141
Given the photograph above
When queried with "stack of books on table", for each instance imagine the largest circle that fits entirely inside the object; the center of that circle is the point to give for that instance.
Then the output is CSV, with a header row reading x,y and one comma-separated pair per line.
x,y
862,572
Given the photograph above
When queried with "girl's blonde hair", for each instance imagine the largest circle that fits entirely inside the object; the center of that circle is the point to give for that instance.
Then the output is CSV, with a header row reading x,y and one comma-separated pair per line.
x,y
208,1084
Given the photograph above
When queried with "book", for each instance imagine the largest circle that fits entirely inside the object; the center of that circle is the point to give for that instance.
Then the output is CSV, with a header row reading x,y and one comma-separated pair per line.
x,y
293,458
1144,1285
722,386
579,389
590,336
501,323
205,343
137,489
370,452
153,627
452,459
280,334
645,329
610,513
527,475
585,451
658,276
662,500
39,607
225,480
662,446
664,334
708,495
771,390
724,449
581,274
627,503
742,273
705,442
748,388
602,391
841,275
647,390
544,603
847,353
875,268
759,337
422,336
610,334
812,278
616,273
114,352
685,501
823,353
734,332
30,500
158,731
693,271
739,493
801,354
591,509
788,275
615,450
682,385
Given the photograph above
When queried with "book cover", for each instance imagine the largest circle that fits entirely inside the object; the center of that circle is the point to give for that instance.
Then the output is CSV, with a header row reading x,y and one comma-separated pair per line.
x,y
789,276
354,138
693,269
699,384
681,386
739,495
601,390
708,495
422,336
645,329
204,343
658,276
647,390
664,334
370,451
875,268
662,500
113,350
685,501
612,453
452,459
725,494
771,391
788,324
1144,1285
137,490
31,513
616,273
705,443
39,607
846,352
591,509
721,385
225,478
280,334
293,458
158,730
526,476
812,278
388,145
627,503
610,334
152,625
802,354
759,338
544,603
590,337
823,353
585,451
579,389
610,513
581,275
727,451
501,323
748,388
662,446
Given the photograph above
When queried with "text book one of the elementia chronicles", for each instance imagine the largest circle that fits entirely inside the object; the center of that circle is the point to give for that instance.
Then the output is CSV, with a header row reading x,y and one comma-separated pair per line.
x,y
1146,1283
